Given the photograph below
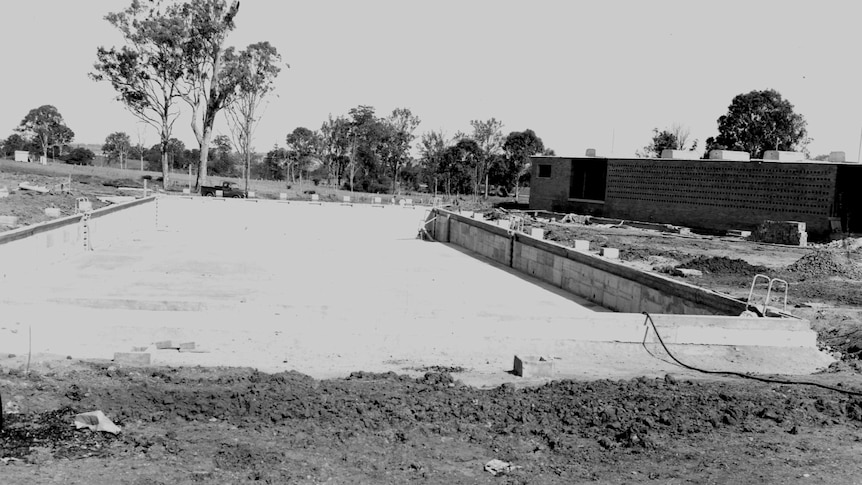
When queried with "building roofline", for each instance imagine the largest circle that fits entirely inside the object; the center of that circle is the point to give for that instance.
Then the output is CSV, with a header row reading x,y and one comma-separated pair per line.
x,y
755,160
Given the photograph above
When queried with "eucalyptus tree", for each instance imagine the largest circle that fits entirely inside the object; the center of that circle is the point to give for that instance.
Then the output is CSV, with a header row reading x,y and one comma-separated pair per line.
x,y
207,84
147,71
253,74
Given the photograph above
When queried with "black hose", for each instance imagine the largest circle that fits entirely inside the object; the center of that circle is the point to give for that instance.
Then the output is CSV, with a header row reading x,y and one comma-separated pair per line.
x,y
768,380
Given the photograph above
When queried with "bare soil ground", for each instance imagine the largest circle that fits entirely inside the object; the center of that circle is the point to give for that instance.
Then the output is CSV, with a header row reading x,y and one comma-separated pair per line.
x,y
233,425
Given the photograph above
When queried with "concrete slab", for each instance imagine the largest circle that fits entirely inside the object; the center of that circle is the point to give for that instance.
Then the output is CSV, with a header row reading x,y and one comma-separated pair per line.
x,y
328,290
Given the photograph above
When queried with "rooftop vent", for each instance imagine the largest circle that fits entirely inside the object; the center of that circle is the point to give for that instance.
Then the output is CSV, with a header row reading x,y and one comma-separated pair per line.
x,y
837,157
591,152
729,155
679,154
779,156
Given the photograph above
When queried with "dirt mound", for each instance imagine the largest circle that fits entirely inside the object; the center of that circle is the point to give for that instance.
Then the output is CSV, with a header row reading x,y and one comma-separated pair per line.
x,y
389,403
390,428
825,264
722,265
49,432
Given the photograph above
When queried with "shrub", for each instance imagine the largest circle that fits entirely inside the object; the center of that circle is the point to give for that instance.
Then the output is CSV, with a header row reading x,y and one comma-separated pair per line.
x,y
80,156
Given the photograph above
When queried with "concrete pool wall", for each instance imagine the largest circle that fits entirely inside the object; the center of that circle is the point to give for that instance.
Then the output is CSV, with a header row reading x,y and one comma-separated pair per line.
x,y
602,281
35,247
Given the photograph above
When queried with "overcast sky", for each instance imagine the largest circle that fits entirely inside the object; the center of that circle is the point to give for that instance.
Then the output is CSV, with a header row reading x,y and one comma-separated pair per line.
x,y
580,74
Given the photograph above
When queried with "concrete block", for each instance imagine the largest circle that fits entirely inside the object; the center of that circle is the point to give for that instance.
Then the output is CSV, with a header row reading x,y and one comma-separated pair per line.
x,y
838,157
537,233
680,154
532,366
557,277
729,155
251,194
282,196
781,156
611,253
132,358
219,193
609,301
52,212
582,245
174,345
8,220
4,192
626,288
186,191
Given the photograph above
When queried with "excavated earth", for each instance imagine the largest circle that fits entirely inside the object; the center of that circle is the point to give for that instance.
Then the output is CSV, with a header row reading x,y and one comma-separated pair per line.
x,y
228,425
235,425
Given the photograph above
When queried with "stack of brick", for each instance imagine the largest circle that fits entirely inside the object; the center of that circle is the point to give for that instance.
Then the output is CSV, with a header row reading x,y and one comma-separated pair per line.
x,y
792,233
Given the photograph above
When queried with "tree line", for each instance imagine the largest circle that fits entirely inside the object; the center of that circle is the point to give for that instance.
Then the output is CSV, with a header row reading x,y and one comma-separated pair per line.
x,y
371,153
755,122
357,151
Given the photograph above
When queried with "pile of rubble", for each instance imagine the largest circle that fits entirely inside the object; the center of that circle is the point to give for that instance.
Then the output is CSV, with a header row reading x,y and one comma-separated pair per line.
x,y
792,233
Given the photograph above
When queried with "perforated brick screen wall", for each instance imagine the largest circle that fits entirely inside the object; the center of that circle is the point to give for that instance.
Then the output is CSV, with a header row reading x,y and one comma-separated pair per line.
x,y
717,195
720,195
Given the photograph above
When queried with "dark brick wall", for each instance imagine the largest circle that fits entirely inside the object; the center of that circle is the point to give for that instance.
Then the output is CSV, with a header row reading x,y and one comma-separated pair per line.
x,y
552,194
699,193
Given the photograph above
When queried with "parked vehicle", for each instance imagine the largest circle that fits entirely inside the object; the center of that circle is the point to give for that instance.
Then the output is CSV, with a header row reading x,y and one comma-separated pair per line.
x,y
228,189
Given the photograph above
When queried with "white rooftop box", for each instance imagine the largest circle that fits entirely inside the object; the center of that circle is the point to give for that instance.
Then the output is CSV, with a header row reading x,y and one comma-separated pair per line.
x,y
679,154
729,155
779,156
837,157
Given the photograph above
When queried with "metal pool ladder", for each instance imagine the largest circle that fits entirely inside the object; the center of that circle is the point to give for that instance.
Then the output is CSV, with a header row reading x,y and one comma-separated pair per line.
x,y
770,283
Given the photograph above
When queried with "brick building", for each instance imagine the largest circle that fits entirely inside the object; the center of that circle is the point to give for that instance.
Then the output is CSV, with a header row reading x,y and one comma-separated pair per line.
x,y
707,194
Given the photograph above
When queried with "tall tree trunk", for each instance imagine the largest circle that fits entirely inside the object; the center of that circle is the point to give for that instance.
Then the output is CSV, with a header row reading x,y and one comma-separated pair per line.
x,y
204,155
247,169
165,170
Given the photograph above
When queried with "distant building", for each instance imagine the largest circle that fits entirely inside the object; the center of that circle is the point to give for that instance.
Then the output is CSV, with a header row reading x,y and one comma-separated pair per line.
x,y
716,194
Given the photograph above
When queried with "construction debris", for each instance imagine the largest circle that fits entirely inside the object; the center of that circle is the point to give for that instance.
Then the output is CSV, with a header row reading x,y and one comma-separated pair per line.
x,y
792,233
116,199
34,188
96,421
532,366
575,219
499,467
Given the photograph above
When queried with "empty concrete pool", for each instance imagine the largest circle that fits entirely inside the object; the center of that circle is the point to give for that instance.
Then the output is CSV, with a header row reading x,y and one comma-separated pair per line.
x,y
328,289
